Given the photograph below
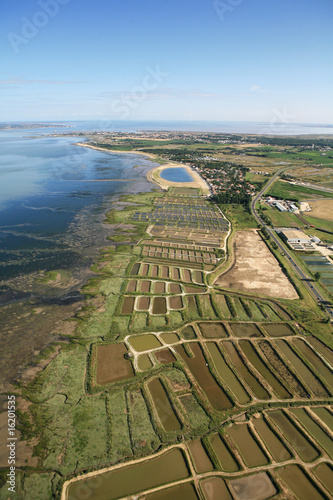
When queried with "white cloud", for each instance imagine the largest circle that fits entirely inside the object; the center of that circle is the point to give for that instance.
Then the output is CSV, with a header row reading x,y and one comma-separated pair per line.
x,y
257,88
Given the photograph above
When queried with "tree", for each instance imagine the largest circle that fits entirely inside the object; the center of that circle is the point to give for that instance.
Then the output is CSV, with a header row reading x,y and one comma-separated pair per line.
x,y
317,276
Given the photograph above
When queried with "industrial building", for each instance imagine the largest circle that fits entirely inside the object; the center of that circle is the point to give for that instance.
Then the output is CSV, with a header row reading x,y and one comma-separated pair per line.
x,y
280,207
296,239
295,236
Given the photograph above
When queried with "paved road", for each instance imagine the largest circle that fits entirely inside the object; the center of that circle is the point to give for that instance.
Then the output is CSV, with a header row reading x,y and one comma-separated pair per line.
x,y
305,278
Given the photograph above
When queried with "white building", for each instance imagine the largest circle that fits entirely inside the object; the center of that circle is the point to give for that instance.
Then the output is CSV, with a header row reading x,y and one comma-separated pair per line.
x,y
280,207
295,236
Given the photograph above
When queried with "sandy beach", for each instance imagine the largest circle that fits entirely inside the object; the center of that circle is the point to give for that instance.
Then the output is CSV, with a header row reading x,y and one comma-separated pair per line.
x,y
154,174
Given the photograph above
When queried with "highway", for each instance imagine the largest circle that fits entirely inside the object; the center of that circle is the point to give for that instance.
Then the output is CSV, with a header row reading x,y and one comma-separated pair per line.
x,y
307,281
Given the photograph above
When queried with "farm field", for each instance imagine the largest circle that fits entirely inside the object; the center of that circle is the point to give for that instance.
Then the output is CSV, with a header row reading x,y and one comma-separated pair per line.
x,y
321,209
287,191
184,387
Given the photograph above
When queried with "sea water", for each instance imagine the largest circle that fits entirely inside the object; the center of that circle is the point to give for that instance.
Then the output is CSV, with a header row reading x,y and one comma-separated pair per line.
x,y
53,195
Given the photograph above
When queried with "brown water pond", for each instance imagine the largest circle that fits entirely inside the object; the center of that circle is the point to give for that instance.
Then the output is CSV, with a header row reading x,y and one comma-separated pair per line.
x,y
186,275
198,366
144,342
131,287
311,381
215,488
188,333
170,338
198,277
245,330
144,362
276,362
252,355
175,273
163,406
144,270
325,475
244,372
159,287
143,303
181,492
176,302
145,286
250,451
111,365
227,375
174,288
278,330
255,487
154,271
314,430
296,438
318,365
278,451
164,356
322,349
159,305
194,289
201,460
226,459
165,272
325,415
126,481
298,483
135,269
213,330
128,305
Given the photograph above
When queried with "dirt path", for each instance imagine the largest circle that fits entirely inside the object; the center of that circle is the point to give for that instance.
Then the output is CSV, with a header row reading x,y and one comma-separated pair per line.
x,y
193,475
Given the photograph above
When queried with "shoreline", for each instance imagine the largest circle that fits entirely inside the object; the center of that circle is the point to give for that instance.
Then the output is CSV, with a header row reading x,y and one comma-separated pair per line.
x,y
114,151
154,174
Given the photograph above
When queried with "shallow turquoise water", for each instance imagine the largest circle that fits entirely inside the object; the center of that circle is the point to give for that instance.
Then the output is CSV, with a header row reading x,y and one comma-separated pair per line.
x,y
176,175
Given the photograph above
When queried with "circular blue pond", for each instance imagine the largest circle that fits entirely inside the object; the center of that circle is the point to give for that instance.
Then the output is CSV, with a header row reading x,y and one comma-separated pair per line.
x,y
176,175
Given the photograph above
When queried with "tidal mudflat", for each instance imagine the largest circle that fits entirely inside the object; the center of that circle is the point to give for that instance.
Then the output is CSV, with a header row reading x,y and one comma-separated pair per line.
x,y
53,202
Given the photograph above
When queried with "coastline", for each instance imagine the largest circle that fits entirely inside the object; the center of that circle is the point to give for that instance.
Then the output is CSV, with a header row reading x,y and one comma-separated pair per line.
x,y
85,145
154,174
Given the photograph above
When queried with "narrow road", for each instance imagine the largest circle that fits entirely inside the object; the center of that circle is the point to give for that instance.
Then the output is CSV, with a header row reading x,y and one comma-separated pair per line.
x,y
305,278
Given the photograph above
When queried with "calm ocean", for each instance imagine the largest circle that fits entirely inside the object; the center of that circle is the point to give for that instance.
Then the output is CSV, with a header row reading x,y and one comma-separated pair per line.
x,y
52,199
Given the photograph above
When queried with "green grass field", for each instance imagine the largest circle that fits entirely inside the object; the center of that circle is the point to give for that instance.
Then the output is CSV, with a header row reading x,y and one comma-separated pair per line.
x,y
288,191
324,224
283,219
239,216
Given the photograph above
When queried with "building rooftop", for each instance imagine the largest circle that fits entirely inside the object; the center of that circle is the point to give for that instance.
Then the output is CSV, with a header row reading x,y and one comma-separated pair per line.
x,y
295,234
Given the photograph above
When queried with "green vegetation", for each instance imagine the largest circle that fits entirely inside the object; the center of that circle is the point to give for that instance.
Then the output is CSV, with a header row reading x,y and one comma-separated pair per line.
x,y
283,219
294,192
239,216
80,426
143,437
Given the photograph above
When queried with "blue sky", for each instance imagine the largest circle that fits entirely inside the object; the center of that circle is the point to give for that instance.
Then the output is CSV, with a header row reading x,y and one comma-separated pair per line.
x,y
239,60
